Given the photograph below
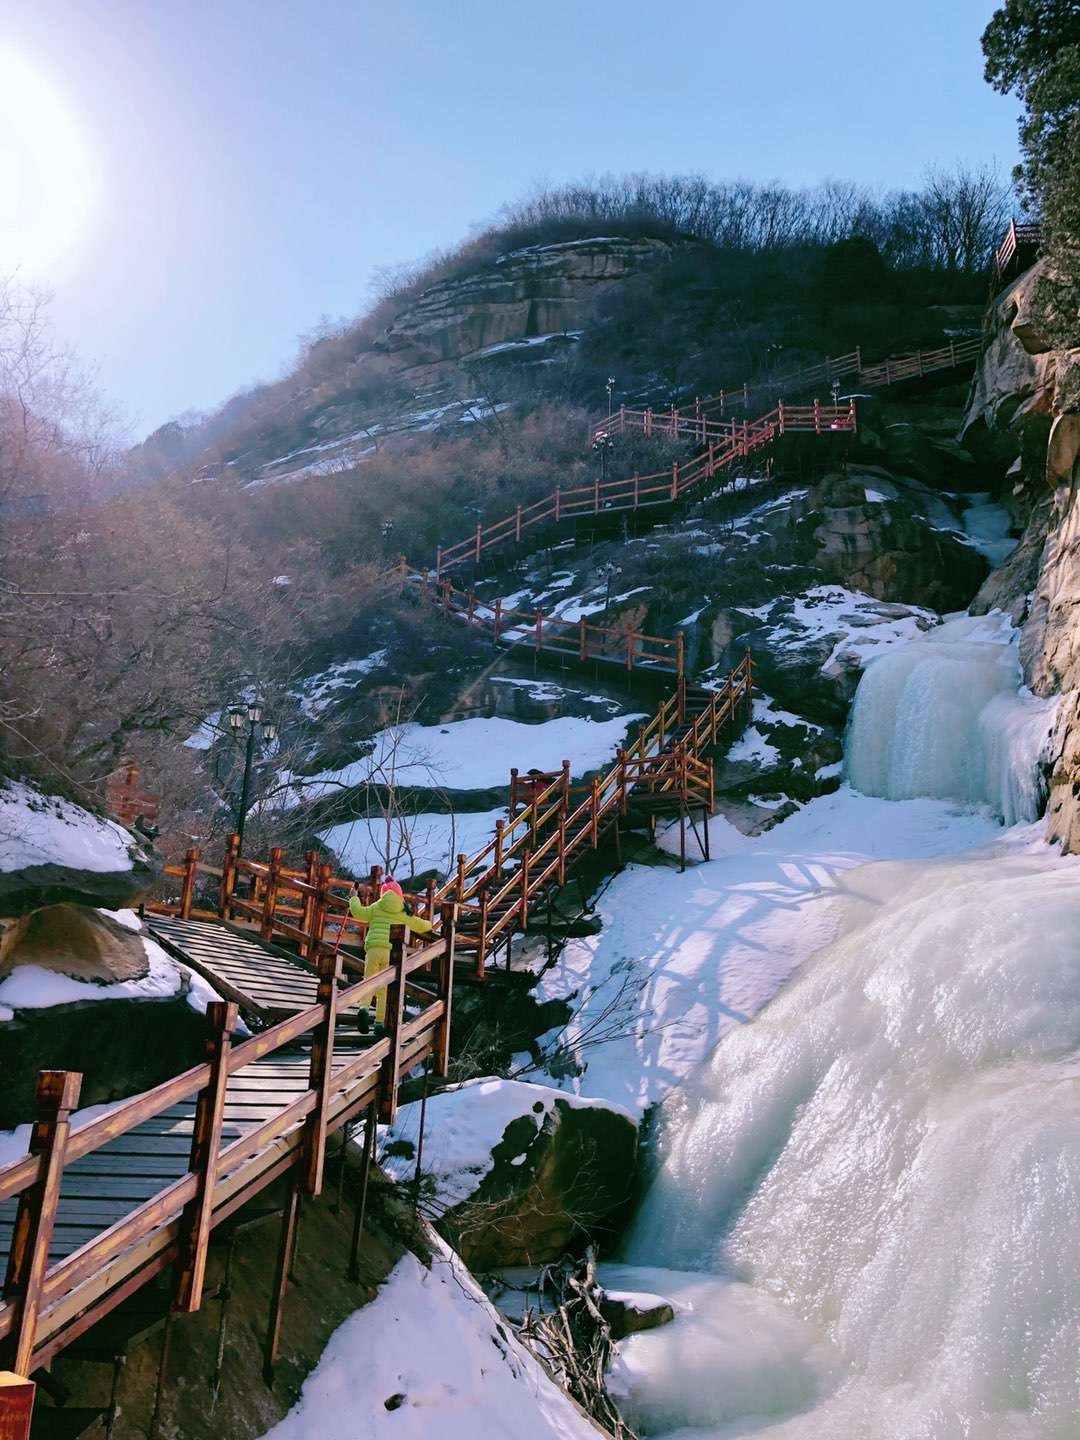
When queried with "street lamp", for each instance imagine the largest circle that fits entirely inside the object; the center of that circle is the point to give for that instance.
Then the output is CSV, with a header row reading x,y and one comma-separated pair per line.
x,y
602,445
610,570
835,393
258,730
610,389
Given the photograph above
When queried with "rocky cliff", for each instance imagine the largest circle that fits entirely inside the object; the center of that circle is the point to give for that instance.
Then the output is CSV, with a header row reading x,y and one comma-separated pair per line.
x,y
1026,405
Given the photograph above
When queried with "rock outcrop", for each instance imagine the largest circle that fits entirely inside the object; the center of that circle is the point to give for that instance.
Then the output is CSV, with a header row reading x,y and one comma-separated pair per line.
x,y
526,296
1027,394
80,942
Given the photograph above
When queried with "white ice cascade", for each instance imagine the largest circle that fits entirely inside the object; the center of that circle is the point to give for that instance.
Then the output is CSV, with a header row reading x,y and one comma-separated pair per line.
x,y
945,716
868,1200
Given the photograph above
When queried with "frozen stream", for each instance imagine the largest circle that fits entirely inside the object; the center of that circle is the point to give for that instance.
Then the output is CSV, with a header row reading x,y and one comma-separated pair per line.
x,y
869,1198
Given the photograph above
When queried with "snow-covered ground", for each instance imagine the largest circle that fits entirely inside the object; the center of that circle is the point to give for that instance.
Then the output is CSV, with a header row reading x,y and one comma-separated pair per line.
x,y
856,625
414,844
39,829
681,959
430,1357
463,1125
474,754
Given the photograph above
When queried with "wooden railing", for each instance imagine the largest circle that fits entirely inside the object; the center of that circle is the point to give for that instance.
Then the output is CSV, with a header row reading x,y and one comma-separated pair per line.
x,y
1027,236
543,633
705,420
664,487
47,1306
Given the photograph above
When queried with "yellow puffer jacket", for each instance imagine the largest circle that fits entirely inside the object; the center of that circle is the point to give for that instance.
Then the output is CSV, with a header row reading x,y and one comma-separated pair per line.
x,y
388,910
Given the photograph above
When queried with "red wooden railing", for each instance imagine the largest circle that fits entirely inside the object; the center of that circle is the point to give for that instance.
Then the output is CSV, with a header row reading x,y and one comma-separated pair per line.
x,y
543,633
47,1306
706,419
1028,236
664,487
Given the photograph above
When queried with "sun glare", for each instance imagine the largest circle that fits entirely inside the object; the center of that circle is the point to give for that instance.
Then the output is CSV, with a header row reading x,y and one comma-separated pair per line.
x,y
46,185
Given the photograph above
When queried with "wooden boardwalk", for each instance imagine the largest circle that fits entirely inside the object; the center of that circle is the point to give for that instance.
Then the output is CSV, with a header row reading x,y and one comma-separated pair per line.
x,y
261,978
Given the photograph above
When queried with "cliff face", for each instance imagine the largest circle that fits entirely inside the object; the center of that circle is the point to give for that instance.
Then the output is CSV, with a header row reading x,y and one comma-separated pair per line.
x,y
533,296
1027,398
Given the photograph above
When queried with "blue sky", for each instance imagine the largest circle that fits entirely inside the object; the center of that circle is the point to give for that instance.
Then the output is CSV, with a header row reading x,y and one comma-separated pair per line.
x,y
252,163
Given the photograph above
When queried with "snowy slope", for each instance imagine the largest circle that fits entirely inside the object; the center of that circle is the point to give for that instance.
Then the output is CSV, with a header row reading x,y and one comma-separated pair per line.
x,y
430,1357
39,829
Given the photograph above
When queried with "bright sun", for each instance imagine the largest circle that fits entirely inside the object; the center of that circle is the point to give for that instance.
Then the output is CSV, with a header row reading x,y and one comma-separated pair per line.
x,y
46,186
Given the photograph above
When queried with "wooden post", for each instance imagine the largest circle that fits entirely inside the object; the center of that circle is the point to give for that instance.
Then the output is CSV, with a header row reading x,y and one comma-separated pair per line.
x,y
558,489
16,1406
629,650
680,663
817,417
438,564
517,524
322,908
57,1095
273,879
228,877
307,917
459,888
513,791
565,797
482,935
395,1006
675,480
446,991
479,538
526,862
780,408
624,798
321,1070
637,488
498,617
187,894
195,1222
539,631
594,816
596,496
429,899
286,1239
471,609
581,638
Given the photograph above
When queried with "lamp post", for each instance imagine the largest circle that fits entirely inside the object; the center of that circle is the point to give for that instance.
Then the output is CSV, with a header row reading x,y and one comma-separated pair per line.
x,y
835,393
610,391
602,445
610,571
258,730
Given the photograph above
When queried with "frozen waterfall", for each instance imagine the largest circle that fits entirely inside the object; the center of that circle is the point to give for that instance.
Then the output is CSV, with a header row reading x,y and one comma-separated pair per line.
x,y
867,1207
944,716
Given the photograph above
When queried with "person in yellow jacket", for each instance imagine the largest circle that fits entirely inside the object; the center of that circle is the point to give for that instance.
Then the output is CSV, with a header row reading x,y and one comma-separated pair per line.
x,y
388,910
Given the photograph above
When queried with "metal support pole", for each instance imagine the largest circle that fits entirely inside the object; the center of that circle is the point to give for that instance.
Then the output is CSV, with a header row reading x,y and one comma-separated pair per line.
x,y
353,1271
281,1278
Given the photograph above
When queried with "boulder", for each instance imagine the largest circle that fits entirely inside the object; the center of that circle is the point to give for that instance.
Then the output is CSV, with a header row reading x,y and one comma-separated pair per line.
x,y
518,1174
628,1312
78,941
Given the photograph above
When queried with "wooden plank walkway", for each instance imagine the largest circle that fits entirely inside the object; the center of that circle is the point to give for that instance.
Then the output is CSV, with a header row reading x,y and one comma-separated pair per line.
x,y
110,1183
261,978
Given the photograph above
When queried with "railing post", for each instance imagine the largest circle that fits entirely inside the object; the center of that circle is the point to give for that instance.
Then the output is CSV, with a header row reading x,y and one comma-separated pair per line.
x,y
581,638
307,917
28,1260
513,791
565,797
273,879
429,899
558,492
539,631
780,410
479,538
647,426
446,596
637,488
482,935
322,908
624,798
517,524
498,617
629,650
675,480
321,1071
680,665
195,1222
622,417
523,909
817,417
187,894
395,1004
16,1406
459,887
445,989
595,812
228,877
596,496
500,826
438,564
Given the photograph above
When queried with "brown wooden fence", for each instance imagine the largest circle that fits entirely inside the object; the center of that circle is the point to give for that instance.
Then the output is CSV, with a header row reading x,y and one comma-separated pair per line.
x,y
663,487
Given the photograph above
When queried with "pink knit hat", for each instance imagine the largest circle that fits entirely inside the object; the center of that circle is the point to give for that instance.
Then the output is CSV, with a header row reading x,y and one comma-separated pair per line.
x,y
391,887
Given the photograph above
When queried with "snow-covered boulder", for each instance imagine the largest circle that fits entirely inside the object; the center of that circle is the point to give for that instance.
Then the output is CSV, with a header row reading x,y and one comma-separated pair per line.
x,y
517,1174
53,851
